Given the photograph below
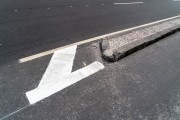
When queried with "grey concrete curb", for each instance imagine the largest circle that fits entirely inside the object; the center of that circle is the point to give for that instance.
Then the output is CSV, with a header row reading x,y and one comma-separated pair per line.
x,y
107,52
112,54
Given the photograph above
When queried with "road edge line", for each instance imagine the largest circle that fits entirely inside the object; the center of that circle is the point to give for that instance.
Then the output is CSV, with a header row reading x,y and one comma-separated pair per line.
x,y
48,52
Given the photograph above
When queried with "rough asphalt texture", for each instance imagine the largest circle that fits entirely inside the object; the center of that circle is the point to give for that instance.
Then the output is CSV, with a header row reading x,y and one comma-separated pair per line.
x,y
28,27
144,85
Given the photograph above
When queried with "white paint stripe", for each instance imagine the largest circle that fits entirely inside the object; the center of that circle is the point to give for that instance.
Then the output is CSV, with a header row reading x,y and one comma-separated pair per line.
x,y
44,92
60,65
130,3
15,112
176,0
90,40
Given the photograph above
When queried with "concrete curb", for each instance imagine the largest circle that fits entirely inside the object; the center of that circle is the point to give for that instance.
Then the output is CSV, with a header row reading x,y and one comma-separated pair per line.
x,y
113,54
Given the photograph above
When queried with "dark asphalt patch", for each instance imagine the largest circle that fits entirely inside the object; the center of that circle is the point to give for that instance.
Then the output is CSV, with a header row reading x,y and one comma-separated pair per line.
x,y
142,86
16,79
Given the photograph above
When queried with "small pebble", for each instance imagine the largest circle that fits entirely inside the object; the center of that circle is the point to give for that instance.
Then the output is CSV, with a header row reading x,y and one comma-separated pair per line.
x,y
84,64
15,10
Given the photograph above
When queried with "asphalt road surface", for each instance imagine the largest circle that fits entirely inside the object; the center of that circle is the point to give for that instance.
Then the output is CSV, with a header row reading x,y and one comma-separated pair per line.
x,y
28,27
144,85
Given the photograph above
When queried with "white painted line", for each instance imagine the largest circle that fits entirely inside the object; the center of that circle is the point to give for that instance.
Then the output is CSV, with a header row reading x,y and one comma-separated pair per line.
x,y
60,65
8,115
25,59
176,0
130,3
44,92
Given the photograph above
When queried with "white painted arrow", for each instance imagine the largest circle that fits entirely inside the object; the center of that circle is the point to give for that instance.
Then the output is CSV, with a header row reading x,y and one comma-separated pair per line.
x,y
58,74
60,65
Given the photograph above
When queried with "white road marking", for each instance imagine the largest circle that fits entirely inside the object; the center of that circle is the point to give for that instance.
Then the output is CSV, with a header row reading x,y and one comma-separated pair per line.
x,y
58,74
60,65
176,0
43,92
102,4
130,3
6,116
29,58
